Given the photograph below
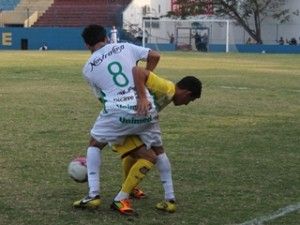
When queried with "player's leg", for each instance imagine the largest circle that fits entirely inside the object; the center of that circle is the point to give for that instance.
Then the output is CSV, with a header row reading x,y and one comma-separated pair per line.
x,y
145,159
93,158
164,167
150,134
127,163
130,143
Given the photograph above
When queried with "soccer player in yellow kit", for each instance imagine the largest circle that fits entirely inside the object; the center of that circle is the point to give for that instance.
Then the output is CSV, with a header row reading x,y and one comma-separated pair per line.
x,y
164,91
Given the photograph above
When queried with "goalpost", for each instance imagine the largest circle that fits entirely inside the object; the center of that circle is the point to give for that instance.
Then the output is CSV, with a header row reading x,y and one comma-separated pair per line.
x,y
190,35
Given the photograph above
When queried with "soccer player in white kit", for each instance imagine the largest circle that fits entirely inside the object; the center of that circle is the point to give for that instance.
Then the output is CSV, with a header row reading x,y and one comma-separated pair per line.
x,y
109,73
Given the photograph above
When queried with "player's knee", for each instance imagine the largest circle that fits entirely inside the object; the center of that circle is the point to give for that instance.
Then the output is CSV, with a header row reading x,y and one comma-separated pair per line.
x,y
143,153
150,156
95,143
158,150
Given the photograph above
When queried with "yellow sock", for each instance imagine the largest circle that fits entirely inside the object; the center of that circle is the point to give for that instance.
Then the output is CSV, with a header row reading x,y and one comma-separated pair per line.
x,y
136,174
127,163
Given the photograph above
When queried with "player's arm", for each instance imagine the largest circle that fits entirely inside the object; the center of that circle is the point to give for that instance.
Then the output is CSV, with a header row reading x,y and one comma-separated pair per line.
x,y
161,88
152,60
140,77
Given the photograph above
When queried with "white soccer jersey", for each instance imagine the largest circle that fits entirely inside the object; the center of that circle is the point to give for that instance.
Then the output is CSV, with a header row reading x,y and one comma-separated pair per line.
x,y
109,72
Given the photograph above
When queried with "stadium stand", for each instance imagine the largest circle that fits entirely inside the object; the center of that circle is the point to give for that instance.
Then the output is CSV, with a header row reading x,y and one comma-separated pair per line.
x,y
61,13
8,4
78,13
25,12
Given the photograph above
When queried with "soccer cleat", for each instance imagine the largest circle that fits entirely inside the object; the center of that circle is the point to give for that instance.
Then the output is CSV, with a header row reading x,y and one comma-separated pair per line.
x,y
88,202
167,206
137,193
123,206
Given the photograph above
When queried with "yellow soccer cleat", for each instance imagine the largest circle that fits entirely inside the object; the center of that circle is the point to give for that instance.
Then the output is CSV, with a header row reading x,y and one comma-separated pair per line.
x,y
167,206
88,202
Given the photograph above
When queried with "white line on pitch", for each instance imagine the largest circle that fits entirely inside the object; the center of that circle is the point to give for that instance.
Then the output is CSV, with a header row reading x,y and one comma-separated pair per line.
x,y
248,88
279,213
231,87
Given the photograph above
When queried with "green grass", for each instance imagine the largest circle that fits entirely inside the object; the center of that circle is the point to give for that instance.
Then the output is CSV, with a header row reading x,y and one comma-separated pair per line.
x,y
235,153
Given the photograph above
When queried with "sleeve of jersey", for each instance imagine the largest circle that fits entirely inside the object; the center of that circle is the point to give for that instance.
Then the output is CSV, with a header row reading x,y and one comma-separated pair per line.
x,y
160,87
140,53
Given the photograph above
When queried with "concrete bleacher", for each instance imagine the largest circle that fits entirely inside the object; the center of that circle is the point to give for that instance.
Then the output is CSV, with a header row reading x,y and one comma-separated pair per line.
x,y
8,4
25,9
78,13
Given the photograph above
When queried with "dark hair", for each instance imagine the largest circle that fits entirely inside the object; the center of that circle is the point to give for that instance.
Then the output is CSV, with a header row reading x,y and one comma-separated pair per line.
x,y
93,34
191,84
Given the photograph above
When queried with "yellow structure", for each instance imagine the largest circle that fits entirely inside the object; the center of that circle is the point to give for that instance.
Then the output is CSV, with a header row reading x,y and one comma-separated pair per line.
x,y
26,12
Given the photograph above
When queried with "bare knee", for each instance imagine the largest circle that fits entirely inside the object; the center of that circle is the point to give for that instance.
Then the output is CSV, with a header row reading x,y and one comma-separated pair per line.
x,y
143,153
95,143
158,150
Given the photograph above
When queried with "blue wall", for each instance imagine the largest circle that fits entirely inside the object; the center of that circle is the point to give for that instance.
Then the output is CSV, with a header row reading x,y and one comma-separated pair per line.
x,y
56,38
269,48
256,48
237,48
162,47
70,39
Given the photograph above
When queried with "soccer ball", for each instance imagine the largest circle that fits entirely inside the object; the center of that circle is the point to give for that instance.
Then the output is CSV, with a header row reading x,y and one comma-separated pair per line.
x,y
77,169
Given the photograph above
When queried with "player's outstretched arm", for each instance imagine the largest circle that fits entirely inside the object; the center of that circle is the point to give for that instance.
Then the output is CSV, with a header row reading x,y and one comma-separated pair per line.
x,y
140,77
152,60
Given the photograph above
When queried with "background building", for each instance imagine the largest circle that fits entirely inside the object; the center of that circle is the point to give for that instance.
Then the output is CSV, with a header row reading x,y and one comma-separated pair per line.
x,y
53,21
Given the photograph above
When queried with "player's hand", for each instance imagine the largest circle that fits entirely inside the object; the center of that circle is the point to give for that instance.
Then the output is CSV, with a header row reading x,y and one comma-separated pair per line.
x,y
143,106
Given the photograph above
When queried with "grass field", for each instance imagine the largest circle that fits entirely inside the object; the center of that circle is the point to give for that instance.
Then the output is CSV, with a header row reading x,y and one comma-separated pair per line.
x,y
235,153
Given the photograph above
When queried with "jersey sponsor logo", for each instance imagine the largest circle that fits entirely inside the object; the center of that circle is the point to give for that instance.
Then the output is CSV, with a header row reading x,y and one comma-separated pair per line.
x,y
124,92
133,120
132,107
113,51
124,99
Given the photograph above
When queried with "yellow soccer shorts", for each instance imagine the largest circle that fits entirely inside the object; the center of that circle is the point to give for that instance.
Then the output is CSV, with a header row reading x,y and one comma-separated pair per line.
x,y
130,143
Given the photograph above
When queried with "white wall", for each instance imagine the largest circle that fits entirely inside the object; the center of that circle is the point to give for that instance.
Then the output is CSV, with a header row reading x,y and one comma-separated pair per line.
x,y
294,5
271,30
160,7
133,13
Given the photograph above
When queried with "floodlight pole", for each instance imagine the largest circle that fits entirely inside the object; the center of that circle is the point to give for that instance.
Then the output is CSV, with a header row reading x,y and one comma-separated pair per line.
x,y
143,27
2,22
227,36
27,10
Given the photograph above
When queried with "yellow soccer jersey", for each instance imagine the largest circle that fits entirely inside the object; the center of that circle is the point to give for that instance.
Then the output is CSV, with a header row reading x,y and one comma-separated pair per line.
x,y
162,90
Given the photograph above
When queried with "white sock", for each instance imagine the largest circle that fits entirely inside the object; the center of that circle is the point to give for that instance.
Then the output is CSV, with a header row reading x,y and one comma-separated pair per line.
x,y
121,195
164,167
93,162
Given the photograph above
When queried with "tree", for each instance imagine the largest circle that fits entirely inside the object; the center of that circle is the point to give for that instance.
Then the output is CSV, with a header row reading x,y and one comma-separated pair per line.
x,y
247,13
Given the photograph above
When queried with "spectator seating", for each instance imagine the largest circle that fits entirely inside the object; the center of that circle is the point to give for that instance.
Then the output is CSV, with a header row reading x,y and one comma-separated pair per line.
x,y
8,4
25,9
78,13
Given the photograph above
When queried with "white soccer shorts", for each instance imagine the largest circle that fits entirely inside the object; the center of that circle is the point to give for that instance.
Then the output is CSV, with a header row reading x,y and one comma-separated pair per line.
x,y
112,128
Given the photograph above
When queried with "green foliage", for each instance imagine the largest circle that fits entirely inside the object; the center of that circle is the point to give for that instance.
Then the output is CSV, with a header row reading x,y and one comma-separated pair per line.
x,y
234,154
189,8
249,14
